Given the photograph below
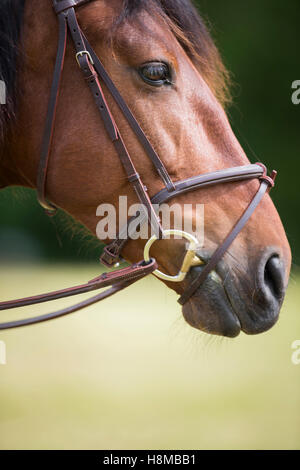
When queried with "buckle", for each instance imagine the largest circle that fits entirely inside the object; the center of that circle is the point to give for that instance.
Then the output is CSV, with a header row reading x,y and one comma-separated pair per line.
x,y
264,177
109,258
82,53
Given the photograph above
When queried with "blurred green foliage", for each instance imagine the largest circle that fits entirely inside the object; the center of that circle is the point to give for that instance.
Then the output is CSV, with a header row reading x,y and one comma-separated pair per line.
x,y
258,42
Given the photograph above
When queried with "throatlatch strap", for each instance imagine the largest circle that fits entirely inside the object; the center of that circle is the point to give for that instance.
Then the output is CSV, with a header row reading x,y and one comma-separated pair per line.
x,y
50,118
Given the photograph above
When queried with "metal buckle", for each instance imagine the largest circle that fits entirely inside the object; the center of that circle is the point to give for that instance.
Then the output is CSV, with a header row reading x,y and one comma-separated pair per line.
x,y
81,53
189,260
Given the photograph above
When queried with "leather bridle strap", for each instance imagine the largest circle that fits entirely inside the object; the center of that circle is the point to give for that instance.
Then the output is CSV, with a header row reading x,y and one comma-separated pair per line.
x,y
87,68
266,184
117,279
63,5
112,252
67,17
64,311
160,167
50,119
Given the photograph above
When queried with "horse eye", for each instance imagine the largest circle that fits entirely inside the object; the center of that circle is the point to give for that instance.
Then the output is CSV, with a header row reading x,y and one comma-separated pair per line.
x,y
155,73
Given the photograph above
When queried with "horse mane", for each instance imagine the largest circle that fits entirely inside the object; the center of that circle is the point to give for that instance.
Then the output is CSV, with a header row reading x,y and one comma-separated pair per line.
x,y
11,16
192,33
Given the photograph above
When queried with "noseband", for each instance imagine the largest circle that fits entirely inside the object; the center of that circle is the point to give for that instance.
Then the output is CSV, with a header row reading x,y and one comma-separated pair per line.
x,y
95,74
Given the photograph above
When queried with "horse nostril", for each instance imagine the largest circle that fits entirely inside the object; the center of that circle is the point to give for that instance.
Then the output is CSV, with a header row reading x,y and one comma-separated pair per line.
x,y
274,277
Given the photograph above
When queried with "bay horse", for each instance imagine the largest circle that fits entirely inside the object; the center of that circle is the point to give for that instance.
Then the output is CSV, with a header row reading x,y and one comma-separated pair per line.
x,y
158,58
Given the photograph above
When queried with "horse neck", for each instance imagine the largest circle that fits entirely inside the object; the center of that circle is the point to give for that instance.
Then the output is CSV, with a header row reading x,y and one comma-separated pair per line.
x,y
7,176
10,172
18,155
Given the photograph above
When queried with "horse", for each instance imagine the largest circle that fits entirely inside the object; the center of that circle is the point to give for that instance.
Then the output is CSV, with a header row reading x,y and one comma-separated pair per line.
x,y
160,60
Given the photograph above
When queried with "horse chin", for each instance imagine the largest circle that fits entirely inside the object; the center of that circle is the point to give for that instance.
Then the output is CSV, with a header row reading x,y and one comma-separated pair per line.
x,y
210,310
222,323
221,306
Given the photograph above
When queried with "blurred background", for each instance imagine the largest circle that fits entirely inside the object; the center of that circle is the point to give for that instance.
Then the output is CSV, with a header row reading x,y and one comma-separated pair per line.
x,y
144,379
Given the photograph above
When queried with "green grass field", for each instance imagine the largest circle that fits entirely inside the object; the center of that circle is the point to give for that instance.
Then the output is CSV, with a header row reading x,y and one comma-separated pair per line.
x,y
118,376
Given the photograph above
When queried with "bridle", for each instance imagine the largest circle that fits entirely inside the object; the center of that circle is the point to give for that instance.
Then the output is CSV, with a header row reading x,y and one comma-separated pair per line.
x,y
94,74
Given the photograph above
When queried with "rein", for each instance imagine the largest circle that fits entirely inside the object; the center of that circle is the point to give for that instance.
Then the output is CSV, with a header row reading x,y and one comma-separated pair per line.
x,y
94,74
